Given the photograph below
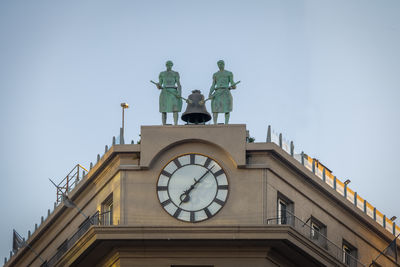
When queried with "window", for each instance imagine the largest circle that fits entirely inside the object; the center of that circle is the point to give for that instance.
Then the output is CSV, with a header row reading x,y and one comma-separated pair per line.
x,y
107,211
315,229
282,212
318,232
349,254
285,210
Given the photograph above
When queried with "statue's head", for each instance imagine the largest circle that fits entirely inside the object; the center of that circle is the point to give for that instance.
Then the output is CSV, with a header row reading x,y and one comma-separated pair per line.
x,y
221,64
169,64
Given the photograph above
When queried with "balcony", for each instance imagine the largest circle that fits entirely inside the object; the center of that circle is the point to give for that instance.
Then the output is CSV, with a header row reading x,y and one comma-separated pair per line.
x,y
103,219
317,237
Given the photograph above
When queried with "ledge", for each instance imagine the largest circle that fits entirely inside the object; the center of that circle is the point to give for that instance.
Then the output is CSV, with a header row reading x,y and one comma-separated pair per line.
x,y
257,235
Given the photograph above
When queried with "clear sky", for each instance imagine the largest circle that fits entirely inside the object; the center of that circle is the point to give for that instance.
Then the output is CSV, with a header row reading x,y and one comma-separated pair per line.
x,y
324,73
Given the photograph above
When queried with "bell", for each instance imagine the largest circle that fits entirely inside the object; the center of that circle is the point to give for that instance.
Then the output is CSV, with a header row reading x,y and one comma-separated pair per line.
x,y
196,111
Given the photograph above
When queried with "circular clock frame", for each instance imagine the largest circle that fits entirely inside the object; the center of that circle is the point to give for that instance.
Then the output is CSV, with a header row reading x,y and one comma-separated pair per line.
x,y
192,187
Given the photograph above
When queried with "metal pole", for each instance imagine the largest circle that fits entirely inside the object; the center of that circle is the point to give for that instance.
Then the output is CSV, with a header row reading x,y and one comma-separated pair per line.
x,y
124,106
123,111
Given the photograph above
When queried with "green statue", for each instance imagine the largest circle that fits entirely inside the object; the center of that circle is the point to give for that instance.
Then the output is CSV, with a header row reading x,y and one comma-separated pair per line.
x,y
220,95
171,90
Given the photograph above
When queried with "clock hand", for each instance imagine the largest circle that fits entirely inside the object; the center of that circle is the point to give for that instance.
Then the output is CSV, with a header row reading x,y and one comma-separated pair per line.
x,y
185,197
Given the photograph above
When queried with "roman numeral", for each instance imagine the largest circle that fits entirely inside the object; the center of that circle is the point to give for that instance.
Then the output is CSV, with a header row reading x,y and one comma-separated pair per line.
x,y
218,173
177,163
165,173
192,216
208,161
192,158
162,188
177,212
223,187
208,213
219,201
166,202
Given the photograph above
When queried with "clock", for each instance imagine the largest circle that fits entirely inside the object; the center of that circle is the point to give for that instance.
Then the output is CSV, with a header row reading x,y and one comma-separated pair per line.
x,y
192,187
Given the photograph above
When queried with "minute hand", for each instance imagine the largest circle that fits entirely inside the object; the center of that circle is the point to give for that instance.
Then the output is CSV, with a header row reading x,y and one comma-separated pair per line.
x,y
208,170
185,197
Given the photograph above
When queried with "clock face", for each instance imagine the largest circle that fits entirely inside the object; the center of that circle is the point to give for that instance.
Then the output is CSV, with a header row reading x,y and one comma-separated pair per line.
x,y
192,187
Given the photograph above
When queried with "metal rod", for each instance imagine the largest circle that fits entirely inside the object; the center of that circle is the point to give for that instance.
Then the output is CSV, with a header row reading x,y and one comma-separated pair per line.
x,y
123,115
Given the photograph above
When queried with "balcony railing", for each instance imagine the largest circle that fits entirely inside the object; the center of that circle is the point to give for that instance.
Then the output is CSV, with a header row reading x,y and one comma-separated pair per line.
x,y
70,181
326,175
96,219
317,237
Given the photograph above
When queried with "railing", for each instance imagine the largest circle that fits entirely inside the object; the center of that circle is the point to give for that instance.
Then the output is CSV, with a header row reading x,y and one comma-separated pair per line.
x,y
322,172
96,219
317,237
70,181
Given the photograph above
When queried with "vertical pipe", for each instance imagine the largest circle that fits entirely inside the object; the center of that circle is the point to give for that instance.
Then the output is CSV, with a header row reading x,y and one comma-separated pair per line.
x,y
269,134
334,182
313,166
291,148
355,199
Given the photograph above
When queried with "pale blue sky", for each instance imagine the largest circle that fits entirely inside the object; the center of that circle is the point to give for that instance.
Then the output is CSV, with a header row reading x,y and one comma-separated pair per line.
x,y
324,73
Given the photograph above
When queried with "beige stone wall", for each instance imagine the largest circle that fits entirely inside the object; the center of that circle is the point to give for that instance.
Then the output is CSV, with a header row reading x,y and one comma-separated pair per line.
x,y
309,200
66,221
256,174
200,256
244,202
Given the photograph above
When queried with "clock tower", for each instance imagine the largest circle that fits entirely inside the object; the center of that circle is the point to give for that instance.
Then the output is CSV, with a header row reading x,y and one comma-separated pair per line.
x,y
204,196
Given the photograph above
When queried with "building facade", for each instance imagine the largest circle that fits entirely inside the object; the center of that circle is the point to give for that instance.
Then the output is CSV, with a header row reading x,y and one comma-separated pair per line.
x,y
202,195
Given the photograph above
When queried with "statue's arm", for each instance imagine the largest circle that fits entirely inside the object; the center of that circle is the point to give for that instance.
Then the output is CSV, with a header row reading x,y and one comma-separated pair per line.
x,y
212,88
160,81
231,80
178,83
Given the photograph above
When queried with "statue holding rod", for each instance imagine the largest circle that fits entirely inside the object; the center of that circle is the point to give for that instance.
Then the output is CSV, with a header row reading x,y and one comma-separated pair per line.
x,y
171,90
220,95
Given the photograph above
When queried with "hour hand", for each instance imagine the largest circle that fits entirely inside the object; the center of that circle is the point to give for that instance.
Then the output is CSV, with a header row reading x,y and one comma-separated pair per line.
x,y
185,197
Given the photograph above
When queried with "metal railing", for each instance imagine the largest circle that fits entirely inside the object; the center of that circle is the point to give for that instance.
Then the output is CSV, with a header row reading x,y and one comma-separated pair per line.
x,y
326,175
96,219
70,181
317,237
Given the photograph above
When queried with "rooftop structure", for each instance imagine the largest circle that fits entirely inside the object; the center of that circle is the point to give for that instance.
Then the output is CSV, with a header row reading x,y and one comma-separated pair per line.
x,y
193,194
